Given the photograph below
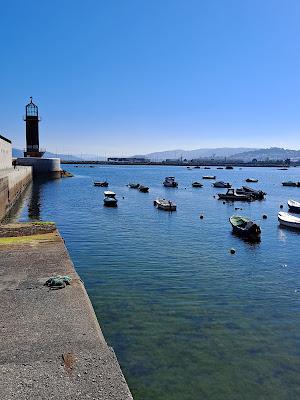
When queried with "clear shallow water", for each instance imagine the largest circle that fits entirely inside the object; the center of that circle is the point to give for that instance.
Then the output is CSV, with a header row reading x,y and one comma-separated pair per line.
x,y
187,319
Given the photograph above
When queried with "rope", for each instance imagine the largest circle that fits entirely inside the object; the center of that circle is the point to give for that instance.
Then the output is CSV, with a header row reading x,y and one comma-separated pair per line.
x,y
58,282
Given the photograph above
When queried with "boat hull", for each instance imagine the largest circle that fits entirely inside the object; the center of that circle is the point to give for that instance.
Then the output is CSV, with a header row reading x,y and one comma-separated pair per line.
x,y
109,202
144,189
171,184
223,196
101,184
289,224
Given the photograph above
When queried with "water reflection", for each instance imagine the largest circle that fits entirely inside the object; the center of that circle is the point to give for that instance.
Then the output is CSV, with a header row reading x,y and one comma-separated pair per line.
x,y
34,205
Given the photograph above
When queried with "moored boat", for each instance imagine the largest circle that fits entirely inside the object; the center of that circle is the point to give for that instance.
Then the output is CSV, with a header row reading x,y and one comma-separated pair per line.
x,y
291,183
165,205
253,180
209,177
222,184
256,194
232,195
101,183
197,167
109,199
220,168
228,167
243,226
206,167
294,206
197,184
170,182
133,185
289,220
143,188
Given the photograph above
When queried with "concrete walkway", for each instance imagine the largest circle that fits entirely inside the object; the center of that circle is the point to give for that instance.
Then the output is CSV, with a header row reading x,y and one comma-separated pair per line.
x,y
51,344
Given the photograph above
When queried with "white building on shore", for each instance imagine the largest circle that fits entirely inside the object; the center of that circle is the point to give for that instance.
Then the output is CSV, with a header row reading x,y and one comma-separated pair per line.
x,y
5,153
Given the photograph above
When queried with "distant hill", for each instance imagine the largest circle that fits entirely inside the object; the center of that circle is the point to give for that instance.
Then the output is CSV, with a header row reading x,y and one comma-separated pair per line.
x,y
273,153
19,153
194,154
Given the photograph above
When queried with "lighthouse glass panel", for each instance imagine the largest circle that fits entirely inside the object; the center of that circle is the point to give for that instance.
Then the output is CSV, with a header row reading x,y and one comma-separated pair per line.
x,y
31,110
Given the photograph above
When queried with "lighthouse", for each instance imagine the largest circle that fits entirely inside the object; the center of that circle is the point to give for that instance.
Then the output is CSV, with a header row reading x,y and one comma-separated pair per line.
x,y
32,131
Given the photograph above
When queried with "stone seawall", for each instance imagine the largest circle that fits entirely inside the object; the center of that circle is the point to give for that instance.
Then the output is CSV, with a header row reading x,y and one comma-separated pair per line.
x,y
13,182
4,201
51,343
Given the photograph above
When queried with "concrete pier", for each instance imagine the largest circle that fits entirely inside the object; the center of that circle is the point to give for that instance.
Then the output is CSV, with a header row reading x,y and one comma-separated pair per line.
x,y
13,182
51,344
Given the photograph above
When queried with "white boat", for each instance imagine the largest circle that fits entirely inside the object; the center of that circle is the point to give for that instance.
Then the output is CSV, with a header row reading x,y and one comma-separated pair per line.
x,y
209,177
289,220
170,182
109,199
164,204
294,206
222,184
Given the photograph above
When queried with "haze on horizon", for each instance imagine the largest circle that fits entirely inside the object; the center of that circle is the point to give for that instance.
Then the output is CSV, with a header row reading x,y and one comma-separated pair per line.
x,y
134,77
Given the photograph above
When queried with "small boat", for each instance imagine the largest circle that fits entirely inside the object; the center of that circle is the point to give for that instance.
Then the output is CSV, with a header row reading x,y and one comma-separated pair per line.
x,y
209,177
197,167
228,167
232,195
170,182
109,199
197,184
282,169
222,184
289,220
206,167
256,194
133,185
243,226
164,204
102,184
254,180
290,183
294,206
220,168
144,189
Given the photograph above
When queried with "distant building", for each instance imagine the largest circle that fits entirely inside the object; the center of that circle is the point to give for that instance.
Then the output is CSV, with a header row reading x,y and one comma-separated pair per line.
x,y
5,153
128,160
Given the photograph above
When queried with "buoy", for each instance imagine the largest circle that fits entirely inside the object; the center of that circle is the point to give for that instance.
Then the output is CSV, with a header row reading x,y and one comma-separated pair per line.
x,y
123,197
224,202
281,206
232,251
201,216
265,216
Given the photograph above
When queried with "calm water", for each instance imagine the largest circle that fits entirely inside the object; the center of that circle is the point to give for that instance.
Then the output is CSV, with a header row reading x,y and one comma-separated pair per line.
x,y
187,319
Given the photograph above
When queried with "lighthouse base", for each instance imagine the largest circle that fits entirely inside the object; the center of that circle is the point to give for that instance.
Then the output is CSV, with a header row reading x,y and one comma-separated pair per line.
x,y
42,167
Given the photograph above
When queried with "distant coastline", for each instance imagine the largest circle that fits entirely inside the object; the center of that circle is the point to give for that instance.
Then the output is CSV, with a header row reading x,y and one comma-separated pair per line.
x,y
200,163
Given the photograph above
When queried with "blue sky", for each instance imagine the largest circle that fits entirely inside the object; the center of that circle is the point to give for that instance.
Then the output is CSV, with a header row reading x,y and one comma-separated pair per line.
x,y
121,77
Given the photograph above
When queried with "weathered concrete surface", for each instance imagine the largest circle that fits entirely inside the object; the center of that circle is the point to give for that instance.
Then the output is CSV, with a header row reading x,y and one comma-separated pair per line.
x,y
51,344
13,182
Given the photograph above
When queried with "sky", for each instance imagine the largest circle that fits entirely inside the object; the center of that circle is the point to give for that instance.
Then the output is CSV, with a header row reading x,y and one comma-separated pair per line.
x,y
124,77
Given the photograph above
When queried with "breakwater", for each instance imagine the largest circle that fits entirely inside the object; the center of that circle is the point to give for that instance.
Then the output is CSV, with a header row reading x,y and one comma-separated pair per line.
x,y
52,344
13,182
